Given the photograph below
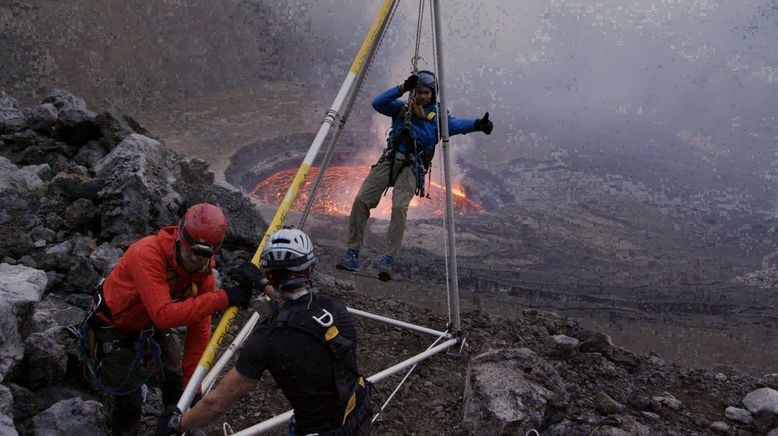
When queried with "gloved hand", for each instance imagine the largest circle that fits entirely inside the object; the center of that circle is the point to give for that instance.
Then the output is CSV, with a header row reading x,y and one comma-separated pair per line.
x,y
169,422
238,296
410,83
249,276
264,307
484,124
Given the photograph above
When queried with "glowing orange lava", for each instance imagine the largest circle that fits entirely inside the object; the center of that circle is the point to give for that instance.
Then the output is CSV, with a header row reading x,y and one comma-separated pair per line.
x,y
341,184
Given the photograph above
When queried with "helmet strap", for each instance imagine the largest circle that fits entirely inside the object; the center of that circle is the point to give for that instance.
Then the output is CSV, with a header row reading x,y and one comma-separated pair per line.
x,y
287,286
179,259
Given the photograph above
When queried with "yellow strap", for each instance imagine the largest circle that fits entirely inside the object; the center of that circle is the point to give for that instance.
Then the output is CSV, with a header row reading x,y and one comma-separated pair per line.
x,y
419,112
352,403
331,333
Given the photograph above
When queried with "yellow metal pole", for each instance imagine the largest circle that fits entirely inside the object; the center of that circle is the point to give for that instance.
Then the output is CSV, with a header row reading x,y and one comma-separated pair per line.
x,y
227,319
377,29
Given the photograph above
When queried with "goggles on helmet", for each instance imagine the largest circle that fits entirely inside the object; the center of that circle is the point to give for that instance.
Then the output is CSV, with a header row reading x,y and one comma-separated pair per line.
x,y
198,248
277,276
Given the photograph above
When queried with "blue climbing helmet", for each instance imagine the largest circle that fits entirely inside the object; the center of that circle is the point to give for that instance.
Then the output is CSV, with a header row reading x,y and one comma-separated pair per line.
x,y
427,78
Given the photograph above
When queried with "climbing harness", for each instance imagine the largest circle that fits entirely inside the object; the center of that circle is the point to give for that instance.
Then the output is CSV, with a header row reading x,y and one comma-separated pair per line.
x,y
147,355
316,318
419,169
415,157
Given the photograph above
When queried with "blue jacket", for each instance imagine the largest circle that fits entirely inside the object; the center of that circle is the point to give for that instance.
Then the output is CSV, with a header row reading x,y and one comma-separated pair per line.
x,y
426,132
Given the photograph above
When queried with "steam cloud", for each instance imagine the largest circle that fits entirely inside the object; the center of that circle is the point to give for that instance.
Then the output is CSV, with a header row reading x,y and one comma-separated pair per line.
x,y
601,79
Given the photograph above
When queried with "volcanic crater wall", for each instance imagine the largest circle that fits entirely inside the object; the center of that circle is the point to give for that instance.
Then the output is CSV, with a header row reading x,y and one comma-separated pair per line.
x,y
135,54
266,169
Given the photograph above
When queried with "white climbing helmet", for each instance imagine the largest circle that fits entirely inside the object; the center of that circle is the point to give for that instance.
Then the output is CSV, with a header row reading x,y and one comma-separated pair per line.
x,y
288,249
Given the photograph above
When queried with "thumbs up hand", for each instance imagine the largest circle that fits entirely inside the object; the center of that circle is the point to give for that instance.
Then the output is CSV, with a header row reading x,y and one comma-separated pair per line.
x,y
484,124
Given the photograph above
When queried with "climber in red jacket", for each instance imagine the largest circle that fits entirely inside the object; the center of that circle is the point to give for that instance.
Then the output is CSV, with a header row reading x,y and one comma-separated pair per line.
x,y
161,282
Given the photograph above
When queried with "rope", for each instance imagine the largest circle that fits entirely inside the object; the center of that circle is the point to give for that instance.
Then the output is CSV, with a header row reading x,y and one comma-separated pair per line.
x,y
143,345
415,58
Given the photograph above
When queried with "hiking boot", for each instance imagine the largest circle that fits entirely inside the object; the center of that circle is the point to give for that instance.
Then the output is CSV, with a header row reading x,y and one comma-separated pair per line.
x,y
350,261
385,268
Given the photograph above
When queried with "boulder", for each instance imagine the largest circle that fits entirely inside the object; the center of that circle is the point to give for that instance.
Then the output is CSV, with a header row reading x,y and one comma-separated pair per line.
x,y
7,426
76,126
41,117
668,400
606,405
71,417
104,258
20,287
6,401
45,360
739,415
6,412
769,380
763,405
11,118
763,399
115,128
137,197
63,99
597,343
18,188
509,391
53,313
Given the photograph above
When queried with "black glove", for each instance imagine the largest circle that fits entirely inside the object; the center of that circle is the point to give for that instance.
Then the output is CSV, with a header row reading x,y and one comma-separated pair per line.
x,y
484,124
169,422
238,296
264,307
249,276
410,83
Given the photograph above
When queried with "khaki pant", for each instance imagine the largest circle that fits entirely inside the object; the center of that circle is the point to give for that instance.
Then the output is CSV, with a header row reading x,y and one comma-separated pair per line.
x,y
370,194
114,363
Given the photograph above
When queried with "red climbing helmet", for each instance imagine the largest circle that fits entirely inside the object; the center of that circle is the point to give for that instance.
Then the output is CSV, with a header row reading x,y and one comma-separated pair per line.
x,y
203,228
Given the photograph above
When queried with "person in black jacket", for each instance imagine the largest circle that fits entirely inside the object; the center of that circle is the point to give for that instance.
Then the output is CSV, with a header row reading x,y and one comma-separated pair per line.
x,y
308,345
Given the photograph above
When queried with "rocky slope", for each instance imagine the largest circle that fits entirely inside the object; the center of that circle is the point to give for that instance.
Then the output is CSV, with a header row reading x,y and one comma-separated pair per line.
x,y
78,188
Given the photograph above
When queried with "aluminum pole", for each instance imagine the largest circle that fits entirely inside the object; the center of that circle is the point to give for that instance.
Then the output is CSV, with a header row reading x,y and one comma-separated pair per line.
x,y
379,25
453,281
361,74
397,323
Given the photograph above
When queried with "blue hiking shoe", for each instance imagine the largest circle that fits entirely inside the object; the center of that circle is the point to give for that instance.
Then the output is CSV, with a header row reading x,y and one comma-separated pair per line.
x,y
350,261
385,268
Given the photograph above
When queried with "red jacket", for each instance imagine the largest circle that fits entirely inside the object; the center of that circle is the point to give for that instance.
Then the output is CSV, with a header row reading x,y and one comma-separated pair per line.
x,y
148,287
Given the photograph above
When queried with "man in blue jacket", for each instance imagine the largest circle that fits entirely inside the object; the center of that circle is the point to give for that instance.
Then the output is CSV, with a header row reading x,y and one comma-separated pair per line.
x,y
404,163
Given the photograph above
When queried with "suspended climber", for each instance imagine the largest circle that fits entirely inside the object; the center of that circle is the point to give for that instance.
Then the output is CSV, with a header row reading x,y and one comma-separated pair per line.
x,y
161,282
308,345
403,164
